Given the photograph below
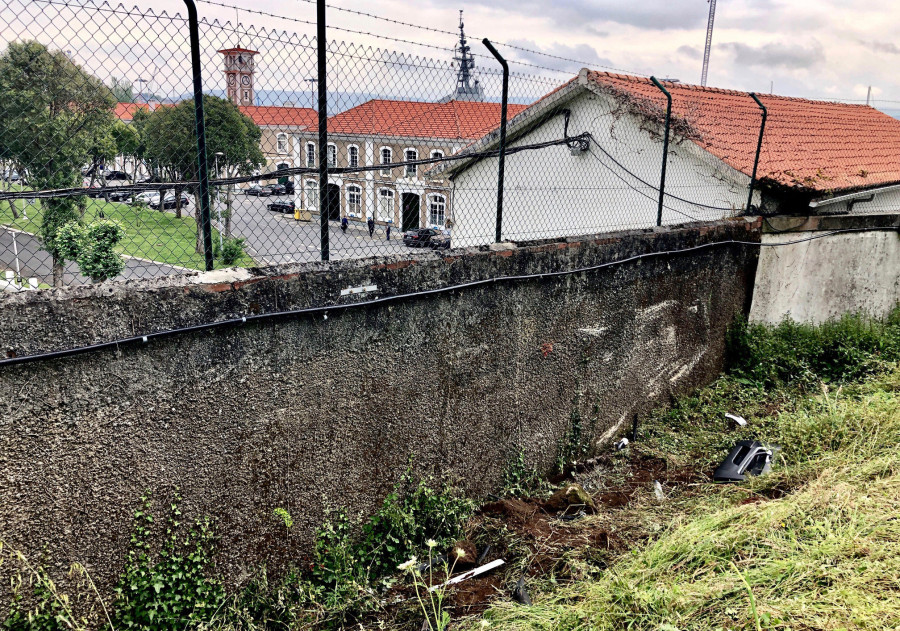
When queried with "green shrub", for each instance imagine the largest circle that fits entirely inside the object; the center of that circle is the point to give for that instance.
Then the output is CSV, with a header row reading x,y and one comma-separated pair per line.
x,y
230,251
804,354
92,247
169,589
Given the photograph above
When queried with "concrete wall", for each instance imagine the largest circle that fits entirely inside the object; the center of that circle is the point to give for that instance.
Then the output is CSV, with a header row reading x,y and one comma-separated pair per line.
x,y
549,193
299,411
825,278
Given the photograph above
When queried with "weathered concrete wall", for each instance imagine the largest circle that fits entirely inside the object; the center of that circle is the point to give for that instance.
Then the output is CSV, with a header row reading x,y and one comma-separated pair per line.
x,y
824,278
295,411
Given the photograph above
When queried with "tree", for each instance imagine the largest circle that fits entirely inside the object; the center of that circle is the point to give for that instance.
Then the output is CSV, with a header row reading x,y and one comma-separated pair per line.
x,y
172,144
122,90
93,247
53,113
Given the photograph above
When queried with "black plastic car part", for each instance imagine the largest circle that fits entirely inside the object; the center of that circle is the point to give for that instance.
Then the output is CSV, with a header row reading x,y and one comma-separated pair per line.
x,y
748,457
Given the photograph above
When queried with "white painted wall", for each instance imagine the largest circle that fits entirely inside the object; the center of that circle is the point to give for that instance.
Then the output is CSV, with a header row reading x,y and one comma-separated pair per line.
x,y
551,193
822,279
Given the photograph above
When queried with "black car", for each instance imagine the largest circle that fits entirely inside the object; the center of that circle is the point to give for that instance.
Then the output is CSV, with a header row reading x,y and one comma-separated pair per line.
x,y
265,191
439,242
282,206
419,238
112,176
120,196
169,202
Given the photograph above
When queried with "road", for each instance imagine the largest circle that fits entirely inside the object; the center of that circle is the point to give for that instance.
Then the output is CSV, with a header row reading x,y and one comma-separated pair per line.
x,y
271,238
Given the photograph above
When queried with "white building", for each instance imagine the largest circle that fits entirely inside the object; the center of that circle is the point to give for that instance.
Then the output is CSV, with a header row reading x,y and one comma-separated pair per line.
x,y
813,154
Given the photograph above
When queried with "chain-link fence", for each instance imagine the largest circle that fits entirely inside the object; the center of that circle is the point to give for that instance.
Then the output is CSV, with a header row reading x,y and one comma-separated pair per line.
x,y
102,176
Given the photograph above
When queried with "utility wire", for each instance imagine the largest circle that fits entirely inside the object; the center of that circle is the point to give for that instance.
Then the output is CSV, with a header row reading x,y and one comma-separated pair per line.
x,y
143,339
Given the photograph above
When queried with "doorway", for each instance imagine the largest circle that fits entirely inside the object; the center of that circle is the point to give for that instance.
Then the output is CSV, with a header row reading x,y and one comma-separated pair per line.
x,y
410,211
333,202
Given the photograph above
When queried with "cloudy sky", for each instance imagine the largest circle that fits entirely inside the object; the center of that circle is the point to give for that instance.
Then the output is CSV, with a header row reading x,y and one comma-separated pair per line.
x,y
816,49
813,48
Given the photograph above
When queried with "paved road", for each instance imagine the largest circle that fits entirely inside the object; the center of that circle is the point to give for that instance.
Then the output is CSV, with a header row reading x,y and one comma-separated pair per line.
x,y
35,262
278,238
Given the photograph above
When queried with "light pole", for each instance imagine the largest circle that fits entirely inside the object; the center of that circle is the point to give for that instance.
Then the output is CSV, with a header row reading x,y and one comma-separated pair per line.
x,y
219,201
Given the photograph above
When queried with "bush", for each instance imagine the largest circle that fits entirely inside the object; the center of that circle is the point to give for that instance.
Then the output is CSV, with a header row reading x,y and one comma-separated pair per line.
x,y
92,247
230,252
804,354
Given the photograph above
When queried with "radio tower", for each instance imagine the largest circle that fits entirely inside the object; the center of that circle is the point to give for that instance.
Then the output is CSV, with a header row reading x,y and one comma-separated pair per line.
x,y
709,30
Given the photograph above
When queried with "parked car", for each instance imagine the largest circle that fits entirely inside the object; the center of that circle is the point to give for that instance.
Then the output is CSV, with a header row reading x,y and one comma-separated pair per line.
x,y
152,179
120,196
114,176
11,175
265,191
419,238
169,201
282,206
150,198
288,188
439,242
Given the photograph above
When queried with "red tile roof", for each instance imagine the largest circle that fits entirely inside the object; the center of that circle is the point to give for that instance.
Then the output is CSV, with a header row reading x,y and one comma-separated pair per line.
x,y
281,116
126,111
457,120
818,146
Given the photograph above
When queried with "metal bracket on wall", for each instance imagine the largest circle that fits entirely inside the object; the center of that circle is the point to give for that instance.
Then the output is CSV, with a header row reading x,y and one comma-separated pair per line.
x,y
365,289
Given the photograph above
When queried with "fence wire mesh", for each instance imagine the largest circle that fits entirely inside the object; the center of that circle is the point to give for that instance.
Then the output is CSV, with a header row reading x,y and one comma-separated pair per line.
x,y
100,163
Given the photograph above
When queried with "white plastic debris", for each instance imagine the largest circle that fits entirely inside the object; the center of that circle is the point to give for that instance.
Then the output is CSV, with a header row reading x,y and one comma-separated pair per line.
x,y
737,419
622,444
466,575
658,490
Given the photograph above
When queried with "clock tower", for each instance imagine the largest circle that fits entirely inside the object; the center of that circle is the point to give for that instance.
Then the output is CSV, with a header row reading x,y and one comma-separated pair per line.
x,y
239,75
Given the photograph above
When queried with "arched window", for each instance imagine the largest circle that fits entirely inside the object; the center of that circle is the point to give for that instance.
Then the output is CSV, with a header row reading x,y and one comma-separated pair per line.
x,y
332,155
387,156
310,155
311,198
411,169
437,153
437,210
282,142
353,156
354,201
385,205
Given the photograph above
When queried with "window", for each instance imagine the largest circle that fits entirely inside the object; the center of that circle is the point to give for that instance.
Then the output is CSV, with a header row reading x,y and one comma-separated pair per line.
x,y
437,154
282,142
411,169
332,156
246,95
310,155
353,156
311,199
386,205
437,207
387,156
354,201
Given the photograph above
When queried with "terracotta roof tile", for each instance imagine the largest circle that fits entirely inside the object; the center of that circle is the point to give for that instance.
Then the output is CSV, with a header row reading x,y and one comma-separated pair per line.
x,y
457,120
818,146
281,116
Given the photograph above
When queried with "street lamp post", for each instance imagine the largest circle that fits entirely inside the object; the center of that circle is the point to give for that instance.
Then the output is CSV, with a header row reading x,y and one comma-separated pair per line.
x,y
219,201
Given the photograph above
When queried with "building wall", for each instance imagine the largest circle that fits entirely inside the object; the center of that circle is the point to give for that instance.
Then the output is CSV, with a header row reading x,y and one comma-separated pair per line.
x,y
550,193
300,412
371,182
822,278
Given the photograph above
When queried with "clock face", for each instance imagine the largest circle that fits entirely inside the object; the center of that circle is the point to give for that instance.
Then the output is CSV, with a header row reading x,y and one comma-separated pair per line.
x,y
245,80
231,79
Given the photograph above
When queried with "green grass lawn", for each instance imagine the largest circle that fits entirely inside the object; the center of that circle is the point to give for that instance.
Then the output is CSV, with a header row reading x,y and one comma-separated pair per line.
x,y
150,234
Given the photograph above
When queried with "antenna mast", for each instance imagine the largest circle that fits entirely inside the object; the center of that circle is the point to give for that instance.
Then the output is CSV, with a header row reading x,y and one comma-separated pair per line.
x,y
709,32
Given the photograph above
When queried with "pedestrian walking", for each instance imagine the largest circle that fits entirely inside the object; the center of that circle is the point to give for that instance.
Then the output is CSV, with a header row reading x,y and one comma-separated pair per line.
x,y
344,223
388,233
371,224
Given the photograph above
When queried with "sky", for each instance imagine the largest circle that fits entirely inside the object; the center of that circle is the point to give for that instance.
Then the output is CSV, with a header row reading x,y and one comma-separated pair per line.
x,y
822,49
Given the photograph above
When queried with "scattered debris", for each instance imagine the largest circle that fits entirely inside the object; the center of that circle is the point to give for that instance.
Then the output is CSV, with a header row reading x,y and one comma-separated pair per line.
x,y
483,556
740,420
658,490
622,444
570,495
438,561
749,457
572,516
467,575
520,594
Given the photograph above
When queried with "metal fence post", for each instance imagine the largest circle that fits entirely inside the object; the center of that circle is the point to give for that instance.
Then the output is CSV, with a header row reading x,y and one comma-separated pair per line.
x,y
762,129
662,179
200,125
502,157
324,205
